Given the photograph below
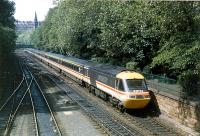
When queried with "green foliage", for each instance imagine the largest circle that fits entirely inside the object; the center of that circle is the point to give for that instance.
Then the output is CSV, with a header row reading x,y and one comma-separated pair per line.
x,y
189,82
159,37
132,65
7,27
25,38
6,40
6,13
179,46
36,38
129,31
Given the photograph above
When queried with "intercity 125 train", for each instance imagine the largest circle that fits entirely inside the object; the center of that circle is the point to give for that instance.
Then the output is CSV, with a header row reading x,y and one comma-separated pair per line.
x,y
123,88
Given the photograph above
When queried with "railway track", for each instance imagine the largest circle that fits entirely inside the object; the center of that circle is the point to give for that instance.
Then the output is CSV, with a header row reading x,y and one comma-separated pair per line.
x,y
147,125
6,89
27,92
152,125
9,109
28,81
100,116
44,120
17,98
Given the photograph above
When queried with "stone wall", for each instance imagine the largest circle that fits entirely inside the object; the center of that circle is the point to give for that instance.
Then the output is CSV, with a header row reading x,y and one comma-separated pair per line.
x,y
184,112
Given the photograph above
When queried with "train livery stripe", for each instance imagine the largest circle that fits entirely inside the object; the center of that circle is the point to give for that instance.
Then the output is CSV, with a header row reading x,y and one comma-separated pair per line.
x,y
124,97
120,92
108,89
117,93
72,72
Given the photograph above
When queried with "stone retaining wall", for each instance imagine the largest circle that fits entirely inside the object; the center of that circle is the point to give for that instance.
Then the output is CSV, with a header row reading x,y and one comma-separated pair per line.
x,y
186,113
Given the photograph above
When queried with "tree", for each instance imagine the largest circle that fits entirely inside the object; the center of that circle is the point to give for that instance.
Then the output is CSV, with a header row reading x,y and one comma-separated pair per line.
x,y
162,37
7,27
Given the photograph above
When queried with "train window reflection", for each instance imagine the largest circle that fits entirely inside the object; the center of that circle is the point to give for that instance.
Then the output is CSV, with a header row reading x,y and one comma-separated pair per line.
x,y
120,85
136,84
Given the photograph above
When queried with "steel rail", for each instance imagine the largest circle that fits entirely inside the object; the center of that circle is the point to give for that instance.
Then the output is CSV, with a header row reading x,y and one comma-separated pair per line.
x,y
34,114
10,116
8,99
150,125
154,126
50,110
101,117
13,115
33,108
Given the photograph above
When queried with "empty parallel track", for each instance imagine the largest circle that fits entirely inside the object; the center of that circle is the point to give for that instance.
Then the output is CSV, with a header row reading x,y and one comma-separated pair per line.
x,y
28,91
45,122
9,108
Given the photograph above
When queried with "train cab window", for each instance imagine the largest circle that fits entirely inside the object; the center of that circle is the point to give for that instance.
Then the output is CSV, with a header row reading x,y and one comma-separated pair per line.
x,y
119,85
136,84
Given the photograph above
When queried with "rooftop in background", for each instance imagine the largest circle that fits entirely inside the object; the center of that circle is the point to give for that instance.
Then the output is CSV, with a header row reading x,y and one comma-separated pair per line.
x,y
23,26
25,9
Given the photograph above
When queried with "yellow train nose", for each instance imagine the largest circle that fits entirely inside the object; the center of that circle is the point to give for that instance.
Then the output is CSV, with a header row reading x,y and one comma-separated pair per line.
x,y
136,103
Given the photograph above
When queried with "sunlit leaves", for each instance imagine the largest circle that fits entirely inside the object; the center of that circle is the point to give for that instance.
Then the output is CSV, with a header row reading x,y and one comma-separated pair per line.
x,y
24,38
163,36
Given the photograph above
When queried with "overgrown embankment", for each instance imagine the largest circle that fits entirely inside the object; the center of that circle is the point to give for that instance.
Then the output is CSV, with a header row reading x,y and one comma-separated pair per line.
x,y
158,37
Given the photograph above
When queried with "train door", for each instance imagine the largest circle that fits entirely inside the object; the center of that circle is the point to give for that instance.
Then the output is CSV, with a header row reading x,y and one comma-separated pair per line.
x,y
119,85
86,75
81,70
85,72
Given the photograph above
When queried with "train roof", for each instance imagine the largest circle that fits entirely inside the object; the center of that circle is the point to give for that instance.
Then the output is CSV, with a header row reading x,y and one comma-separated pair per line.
x,y
102,68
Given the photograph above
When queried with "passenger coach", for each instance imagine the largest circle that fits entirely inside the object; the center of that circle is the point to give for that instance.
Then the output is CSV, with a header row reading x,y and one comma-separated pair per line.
x,y
124,88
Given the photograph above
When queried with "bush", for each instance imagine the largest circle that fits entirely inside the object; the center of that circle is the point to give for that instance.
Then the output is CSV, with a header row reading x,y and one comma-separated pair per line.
x,y
132,65
147,69
190,83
